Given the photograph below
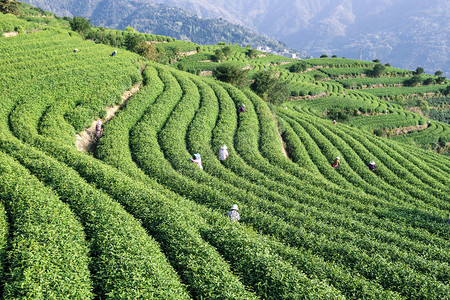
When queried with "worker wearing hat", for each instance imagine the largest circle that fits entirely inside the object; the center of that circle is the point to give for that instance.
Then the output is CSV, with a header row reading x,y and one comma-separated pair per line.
x,y
233,214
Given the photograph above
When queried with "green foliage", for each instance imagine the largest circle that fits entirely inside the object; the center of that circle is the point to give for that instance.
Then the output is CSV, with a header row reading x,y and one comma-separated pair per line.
x,y
419,71
269,87
227,51
131,29
378,70
156,224
80,25
218,55
252,53
48,257
9,6
298,67
415,80
340,115
228,72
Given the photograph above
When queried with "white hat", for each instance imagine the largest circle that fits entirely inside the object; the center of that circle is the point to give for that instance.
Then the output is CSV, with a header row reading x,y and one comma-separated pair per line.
x,y
337,157
372,162
197,156
234,206
243,105
99,122
223,147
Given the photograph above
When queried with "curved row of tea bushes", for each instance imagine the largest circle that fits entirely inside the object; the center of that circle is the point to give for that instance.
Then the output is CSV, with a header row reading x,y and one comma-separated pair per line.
x,y
178,184
48,255
184,245
176,143
235,259
306,140
126,262
437,284
352,287
171,223
352,166
4,233
200,282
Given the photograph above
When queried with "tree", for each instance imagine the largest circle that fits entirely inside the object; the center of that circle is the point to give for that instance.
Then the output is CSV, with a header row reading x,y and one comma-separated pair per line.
x,y
376,60
269,87
227,51
148,51
298,67
172,53
218,55
80,25
378,70
9,6
422,104
323,56
419,71
440,79
318,77
131,29
414,81
446,92
429,81
438,73
228,72
252,53
133,40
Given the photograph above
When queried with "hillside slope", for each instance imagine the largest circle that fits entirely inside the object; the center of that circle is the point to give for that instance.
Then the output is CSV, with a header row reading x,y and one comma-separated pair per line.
x,y
138,219
159,19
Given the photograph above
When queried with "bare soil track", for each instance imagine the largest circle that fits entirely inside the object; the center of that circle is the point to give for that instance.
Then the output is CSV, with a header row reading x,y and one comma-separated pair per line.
x,y
86,140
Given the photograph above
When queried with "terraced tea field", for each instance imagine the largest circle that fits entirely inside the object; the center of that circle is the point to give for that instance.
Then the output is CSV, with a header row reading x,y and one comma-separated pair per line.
x,y
138,220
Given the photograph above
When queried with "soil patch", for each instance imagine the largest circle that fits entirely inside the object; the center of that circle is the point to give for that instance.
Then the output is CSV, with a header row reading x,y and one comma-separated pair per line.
x,y
188,53
87,140
406,130
206,73
10,33
156,42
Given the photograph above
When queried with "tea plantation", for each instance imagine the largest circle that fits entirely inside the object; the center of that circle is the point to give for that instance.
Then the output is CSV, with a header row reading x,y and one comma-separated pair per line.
x,y
137,220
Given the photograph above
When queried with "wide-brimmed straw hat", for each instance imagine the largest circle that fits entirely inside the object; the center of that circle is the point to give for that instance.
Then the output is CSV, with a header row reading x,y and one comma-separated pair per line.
x,y
234,207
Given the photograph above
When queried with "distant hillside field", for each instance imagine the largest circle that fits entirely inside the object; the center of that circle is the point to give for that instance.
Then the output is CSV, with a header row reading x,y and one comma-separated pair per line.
x,y
135,218
160,19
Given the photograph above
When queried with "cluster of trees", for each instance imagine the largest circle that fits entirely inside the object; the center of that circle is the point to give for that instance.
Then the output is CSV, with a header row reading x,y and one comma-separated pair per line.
x,y
222,53
9,6
129,39
264,83
298,67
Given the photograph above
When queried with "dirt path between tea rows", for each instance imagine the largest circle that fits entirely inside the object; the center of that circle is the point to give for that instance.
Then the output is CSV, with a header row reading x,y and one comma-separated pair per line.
x,y
86,140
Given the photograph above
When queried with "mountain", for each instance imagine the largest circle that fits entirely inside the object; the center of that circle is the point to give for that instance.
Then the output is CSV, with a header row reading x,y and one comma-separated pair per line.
x,y
159,19
404,33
